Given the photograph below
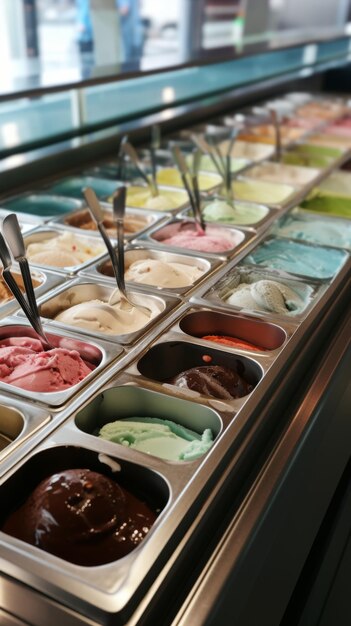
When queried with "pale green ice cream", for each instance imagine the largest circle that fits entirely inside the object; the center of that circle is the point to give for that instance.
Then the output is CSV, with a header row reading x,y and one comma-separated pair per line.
x,y
297,258
207,165
327,232
162,438
240,213
251,190
337,183
309,155
323,202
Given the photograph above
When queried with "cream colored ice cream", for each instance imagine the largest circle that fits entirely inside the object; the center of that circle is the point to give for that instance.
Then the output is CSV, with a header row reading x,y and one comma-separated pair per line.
x,y
63,250
247,150
262,192
162,273
281,173
171,177
166,200
100,316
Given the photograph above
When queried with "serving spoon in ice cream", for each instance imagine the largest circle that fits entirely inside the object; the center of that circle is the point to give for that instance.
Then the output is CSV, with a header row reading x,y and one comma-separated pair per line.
x,y
118,269
15,242
121,159
194,196
131,152
275,120
154,146
208,150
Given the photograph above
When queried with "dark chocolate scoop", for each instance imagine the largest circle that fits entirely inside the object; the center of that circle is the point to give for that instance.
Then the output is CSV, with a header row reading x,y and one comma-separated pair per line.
x,y
216,381
81,516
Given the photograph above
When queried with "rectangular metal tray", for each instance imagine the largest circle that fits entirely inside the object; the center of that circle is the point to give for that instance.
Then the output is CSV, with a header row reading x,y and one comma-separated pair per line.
x,y
102,353
42,233
271,213
19,421
149,240
215,294
114,588
83,290
47,280
151,218
134,253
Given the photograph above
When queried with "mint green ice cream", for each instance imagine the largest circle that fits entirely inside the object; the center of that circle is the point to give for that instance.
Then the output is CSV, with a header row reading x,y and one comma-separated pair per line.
x,y
338,183
207,165
323,202
240,213
297,258
309,155
306,160
162,438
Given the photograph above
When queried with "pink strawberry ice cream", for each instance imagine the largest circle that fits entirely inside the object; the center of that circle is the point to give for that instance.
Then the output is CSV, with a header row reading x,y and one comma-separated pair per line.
x,y
185,235
24,364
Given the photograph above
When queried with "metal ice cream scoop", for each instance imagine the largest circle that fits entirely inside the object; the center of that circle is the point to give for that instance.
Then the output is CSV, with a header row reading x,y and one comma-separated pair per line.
x,y
117,262
15,242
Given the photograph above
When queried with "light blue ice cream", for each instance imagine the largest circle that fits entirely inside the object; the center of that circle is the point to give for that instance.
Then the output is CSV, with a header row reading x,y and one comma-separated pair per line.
x,y
327,232
297,258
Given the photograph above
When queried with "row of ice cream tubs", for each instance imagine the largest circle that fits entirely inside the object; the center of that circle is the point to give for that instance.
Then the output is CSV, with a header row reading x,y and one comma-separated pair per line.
x,y
103,471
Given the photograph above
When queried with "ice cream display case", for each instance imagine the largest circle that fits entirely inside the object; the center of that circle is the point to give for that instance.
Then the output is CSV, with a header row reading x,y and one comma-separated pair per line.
x,y
126,485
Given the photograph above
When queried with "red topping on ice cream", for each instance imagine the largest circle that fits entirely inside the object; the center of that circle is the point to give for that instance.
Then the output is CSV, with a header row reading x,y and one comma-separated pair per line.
x,y
232,342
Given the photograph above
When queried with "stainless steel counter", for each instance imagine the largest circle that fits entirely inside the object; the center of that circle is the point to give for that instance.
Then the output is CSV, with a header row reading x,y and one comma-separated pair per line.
x,y
229,521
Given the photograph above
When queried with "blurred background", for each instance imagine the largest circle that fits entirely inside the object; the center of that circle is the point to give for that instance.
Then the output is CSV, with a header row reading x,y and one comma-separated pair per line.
x,y
65,40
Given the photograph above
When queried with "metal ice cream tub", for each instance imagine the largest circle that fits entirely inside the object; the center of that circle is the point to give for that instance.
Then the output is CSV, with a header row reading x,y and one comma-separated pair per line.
x,y
136,193
72,186
97,354
217,293
208,182
19,421
39,207
26,222
80,291
42,282
90,245
139,221
103,269
238,239
174,353
267,214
